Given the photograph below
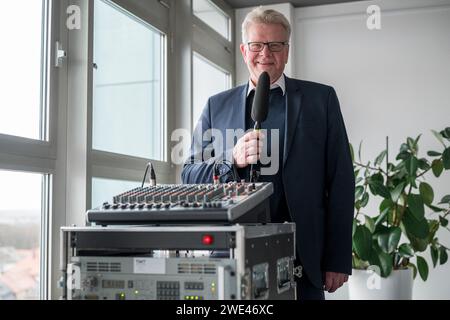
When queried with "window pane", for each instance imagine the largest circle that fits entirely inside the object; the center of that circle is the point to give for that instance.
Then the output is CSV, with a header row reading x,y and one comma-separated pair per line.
x,y
20,223
208,80
128,115
212,16
103,190
20,64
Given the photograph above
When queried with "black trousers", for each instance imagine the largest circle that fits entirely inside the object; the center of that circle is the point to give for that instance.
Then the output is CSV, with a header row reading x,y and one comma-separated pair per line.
x,y
307,291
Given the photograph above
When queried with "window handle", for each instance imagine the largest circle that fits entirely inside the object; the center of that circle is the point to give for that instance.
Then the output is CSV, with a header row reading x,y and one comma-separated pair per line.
x,y
60,54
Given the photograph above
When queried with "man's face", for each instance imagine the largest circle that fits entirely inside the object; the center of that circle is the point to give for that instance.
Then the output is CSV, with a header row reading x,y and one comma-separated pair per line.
x,y
265,60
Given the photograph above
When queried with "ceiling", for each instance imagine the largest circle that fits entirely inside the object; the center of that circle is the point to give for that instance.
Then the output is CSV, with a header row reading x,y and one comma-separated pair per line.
x,y
296,3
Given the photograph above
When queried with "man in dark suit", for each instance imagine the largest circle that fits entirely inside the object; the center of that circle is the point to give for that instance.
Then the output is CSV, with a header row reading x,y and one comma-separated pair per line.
x,y
314,184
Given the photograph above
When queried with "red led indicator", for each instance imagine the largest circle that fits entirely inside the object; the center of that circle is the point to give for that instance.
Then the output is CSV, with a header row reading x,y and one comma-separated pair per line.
x,y
207,239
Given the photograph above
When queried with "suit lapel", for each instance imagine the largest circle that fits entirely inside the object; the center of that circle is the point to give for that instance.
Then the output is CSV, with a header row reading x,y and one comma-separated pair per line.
x,y
293,106
239,108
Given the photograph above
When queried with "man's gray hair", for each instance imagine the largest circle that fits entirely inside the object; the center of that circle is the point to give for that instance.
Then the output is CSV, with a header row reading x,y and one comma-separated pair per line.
x,y
267,16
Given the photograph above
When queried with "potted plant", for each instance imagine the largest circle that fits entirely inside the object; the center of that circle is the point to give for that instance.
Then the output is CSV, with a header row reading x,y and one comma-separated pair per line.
x,y
389,247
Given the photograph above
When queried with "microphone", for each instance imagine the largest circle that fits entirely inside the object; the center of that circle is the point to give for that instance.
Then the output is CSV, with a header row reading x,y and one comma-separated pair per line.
x,y
260,108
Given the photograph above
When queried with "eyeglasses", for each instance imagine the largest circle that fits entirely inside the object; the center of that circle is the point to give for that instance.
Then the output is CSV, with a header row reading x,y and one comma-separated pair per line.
x,y
273,46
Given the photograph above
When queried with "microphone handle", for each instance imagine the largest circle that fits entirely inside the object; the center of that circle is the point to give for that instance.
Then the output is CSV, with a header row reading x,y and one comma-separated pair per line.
x,y
253,173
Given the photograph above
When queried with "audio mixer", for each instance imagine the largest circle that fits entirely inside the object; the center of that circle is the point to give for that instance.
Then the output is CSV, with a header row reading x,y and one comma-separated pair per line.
x,y
234,202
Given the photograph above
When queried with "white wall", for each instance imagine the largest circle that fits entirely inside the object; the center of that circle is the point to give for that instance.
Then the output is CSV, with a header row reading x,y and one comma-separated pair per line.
x,y
391,82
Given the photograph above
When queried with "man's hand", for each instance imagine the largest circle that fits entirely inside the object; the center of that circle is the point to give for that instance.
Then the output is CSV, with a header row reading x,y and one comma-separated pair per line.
x,y
334,281
248,149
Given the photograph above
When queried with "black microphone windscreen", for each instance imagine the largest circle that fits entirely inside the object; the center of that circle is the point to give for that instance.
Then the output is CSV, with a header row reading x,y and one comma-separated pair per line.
x,y
260,106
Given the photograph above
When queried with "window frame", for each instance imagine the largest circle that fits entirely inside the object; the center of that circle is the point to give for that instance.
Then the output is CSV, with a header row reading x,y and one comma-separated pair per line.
x,y
226,10
103,164
213,47
212,64
39,156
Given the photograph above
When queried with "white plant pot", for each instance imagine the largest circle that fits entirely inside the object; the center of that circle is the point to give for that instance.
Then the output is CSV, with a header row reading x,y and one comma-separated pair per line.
x,y
367,285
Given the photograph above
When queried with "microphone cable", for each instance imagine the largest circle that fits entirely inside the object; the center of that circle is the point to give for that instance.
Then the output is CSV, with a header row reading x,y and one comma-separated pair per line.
x,y
152,175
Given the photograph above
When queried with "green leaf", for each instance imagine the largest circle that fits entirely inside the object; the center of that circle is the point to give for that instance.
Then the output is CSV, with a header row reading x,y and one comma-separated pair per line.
x,y
358,180
395,194
411,166
426,192
415,226
388,241
351,152
446,133
443,255
445,199
394,238
363,242
423,164
385,206
414,268
355,223
359,151
415,204
434,255
419,245
382,260
379,189
403,155
433,226
417,140
439,137
411,144
359,191
437,166
422,265
369,223
405,250
434,153
434,208
365,199
380,158
443,221
446,158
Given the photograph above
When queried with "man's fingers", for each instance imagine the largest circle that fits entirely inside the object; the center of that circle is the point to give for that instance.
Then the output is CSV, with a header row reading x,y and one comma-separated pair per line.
x,y
252,159
334,285
328,282
254,135
252,144
334,281
252,151
338,281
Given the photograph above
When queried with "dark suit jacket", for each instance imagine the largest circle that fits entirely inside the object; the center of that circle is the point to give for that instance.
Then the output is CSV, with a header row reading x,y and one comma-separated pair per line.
x,y
317,170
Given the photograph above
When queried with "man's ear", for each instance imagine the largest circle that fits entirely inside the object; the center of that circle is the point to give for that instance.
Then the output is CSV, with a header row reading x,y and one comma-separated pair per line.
x,y
286,60
243,51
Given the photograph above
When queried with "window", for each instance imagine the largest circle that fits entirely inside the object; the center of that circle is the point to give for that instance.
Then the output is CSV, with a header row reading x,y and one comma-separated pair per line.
x,y
20,234
208,79
103,190
26,106
128,96
21,29
209,13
